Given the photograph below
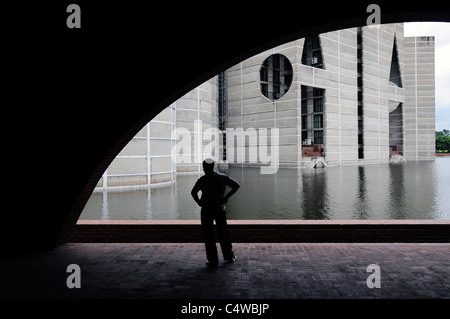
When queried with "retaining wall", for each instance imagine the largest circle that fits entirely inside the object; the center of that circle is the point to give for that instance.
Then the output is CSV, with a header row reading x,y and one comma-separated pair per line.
x,y
259,231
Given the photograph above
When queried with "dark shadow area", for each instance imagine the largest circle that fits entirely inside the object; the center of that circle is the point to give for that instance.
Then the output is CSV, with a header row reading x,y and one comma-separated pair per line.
x,y
263,271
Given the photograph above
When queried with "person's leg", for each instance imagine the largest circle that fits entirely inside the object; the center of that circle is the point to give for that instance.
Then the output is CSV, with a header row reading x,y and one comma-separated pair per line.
x,y
224,238
207,220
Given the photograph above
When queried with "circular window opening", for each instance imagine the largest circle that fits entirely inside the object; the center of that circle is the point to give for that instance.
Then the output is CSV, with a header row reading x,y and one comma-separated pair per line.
x,y
275,76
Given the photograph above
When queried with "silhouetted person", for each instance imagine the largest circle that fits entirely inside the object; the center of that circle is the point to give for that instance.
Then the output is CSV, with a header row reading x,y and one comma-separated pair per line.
x,y
212,202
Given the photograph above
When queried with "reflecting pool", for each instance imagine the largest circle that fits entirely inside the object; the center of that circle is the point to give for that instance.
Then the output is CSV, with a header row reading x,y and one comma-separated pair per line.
x,y
415,190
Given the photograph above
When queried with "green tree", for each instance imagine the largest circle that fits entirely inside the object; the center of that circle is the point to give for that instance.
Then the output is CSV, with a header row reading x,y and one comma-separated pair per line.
x,y
443,141
444,132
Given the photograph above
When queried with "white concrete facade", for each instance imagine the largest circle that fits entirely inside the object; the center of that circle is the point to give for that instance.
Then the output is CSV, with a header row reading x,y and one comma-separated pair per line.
x,y
381,97
420,100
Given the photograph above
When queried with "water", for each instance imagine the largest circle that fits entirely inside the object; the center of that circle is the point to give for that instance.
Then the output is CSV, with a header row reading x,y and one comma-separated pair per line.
x,y
415,190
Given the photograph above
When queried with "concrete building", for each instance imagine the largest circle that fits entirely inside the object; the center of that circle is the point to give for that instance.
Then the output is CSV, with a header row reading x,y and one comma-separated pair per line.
x,y
146,158
419,115
355,96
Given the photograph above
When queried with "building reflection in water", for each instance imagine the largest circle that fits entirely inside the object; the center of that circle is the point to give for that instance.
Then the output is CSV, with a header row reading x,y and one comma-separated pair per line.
x,y
362,206
315,203
396,207
415,190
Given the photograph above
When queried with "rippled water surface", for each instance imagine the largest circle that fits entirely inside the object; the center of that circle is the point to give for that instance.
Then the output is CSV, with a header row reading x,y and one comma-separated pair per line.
x,y
415,190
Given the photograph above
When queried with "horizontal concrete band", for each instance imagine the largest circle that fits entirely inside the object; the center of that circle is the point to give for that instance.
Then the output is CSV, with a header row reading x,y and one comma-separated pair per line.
x,y
265,231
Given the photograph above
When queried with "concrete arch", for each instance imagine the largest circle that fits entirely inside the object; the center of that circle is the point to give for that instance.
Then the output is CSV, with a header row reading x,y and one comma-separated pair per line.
x,y
106,71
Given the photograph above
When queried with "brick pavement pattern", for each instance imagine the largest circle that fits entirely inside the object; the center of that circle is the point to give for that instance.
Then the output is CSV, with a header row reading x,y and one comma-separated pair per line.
x,y
275,270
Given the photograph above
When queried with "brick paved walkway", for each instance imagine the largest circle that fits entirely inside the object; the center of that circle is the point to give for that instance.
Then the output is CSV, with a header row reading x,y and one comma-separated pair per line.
x,y
295,270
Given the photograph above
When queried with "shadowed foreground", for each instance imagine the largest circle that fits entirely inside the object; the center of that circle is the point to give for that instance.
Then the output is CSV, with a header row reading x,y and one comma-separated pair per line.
x,y
275,271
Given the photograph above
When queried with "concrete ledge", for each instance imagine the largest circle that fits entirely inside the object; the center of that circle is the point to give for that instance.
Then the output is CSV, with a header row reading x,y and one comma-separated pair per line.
x,y
265,231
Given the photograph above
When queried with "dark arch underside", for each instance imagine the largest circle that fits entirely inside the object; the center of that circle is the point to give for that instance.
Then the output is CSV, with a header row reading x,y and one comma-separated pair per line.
x,y
81,95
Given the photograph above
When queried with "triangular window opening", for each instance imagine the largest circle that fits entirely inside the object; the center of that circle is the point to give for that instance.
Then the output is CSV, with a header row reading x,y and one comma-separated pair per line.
x,y
312,52
395,75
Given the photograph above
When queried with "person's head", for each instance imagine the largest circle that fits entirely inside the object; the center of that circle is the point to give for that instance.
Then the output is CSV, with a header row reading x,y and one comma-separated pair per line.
x,y
208,166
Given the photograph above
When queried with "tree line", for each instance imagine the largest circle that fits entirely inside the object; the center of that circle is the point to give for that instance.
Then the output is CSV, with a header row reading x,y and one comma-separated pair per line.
x,y
443,141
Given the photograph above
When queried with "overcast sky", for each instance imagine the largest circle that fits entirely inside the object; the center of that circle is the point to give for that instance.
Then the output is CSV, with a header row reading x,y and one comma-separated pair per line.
x,y
441,32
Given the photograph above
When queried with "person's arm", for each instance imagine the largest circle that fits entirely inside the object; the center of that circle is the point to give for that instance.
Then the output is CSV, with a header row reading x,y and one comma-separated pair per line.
x,y
194,194
234,187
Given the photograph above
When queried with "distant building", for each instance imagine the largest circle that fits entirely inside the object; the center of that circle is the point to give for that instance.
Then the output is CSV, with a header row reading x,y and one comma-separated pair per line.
x,y
350,97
